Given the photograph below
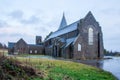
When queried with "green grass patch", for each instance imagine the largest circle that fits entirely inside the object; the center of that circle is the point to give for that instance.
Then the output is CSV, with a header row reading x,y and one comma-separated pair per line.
x,y
66,70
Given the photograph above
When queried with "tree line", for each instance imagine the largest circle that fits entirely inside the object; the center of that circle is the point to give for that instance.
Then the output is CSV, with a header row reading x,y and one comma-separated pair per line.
x,y
3,46
111,53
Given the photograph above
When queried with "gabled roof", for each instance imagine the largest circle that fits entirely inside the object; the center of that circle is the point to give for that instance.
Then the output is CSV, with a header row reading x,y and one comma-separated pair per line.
x,y
90,16
34,45
63,23
21,40
11,45
69,41
64,30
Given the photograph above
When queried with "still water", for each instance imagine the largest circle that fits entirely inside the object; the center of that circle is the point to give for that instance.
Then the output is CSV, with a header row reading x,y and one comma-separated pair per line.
x,y
109,63
112,65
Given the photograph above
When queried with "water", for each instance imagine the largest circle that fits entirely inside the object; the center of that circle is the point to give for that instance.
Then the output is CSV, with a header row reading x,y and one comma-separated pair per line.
x,y
39,56
33,56
112,65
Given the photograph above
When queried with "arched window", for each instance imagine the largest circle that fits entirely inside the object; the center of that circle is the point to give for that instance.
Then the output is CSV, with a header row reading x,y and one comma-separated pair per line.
x,y
30,51
79,47
90,36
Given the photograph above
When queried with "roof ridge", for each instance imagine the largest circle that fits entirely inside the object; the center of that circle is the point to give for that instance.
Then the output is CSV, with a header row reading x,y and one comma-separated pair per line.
x,y
68,28
68,25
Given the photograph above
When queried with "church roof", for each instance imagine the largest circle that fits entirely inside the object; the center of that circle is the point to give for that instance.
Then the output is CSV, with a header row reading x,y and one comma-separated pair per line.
x,y
11,45
90,17
34,45
64,30
63,23
69,41
21,40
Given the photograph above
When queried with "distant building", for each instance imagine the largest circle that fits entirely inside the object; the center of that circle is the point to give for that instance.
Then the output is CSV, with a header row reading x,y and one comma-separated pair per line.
x,y
82,39
21,47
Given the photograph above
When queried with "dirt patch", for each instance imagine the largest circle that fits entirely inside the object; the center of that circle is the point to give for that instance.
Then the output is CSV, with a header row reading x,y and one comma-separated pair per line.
x,y
11,69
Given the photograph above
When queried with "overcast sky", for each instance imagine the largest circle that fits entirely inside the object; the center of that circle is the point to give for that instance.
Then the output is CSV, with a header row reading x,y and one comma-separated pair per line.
x,y
28,18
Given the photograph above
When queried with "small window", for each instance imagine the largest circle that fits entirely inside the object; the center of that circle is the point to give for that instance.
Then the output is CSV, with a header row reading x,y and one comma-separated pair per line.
x,y
30,51
35,51
79,47
18,50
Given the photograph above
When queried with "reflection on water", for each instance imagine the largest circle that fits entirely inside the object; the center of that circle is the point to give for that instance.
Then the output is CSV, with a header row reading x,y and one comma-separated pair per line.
x,y
113,66
95,63
39,56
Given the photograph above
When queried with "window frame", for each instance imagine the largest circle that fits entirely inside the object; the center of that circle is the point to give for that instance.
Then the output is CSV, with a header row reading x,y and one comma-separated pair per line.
x,y
79,47
36,51
90,36
31,51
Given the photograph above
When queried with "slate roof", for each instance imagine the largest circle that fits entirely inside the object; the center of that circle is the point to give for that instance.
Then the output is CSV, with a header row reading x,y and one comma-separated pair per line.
x,y
64,30
34,45
68,28
63,22
69,41
11,45
21,40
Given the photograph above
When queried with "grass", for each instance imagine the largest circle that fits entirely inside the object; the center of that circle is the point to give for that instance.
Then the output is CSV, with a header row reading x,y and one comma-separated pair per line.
x,y
66,70
5,51
63,70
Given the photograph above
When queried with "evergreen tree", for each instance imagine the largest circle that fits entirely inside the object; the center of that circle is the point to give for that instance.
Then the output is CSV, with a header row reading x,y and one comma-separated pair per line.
x,y
1,45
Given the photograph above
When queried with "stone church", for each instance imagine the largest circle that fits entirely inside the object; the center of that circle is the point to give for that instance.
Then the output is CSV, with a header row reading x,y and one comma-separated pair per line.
x,y
21,47
82,39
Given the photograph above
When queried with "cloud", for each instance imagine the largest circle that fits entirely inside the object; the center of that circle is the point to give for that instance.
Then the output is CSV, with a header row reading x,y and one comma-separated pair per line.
x,y
11,34
32,20
21,17
3,24
27,18
110,11
16,14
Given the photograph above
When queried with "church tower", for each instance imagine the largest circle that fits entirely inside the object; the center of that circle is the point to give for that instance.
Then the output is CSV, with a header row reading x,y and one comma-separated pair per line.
x,y
38,40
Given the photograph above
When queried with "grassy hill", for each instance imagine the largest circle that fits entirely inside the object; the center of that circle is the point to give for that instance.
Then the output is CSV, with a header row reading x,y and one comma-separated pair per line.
x,y
66,70
44,69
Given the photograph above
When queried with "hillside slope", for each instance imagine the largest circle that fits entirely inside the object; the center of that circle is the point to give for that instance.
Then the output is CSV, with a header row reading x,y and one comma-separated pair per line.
x,y
19,68
66,70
